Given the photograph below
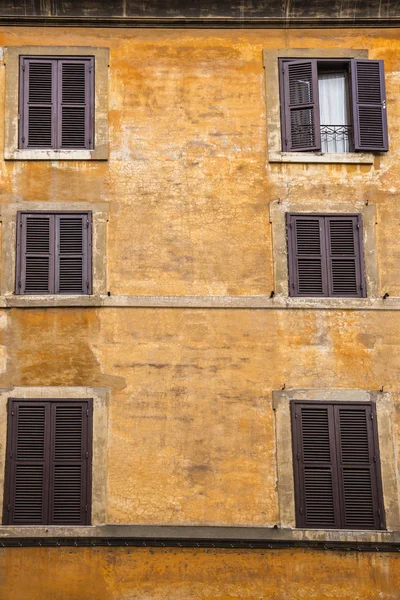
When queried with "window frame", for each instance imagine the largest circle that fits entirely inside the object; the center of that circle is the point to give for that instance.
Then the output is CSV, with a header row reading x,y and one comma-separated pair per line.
x,y
273,109
101,57
54,232
385,408
11,439
100,217
278,211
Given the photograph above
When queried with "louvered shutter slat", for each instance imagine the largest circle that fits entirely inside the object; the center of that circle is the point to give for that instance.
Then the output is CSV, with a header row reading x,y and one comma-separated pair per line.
x,y
74,103
28,464
38,103
344,256
369,105
301,106
36,254
315,462
69,464
72,247
357,469
307,260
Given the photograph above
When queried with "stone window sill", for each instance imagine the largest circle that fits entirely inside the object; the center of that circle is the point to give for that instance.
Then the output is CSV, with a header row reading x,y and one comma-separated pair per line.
x,y
96,154
352,158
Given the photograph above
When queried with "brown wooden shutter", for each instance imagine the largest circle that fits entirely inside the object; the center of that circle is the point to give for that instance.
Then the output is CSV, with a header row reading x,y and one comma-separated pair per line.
x,y
75,103
307,255
69,464
48,466
56,103
37,102
35,254
315,466
369,105
301,106
336,466
73,254
54,253
25,500
358,460
345,256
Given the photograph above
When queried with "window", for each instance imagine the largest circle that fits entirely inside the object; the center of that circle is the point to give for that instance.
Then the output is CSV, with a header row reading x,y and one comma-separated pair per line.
x,y
325,255
56,102
336,466
48,465
333,106
54,253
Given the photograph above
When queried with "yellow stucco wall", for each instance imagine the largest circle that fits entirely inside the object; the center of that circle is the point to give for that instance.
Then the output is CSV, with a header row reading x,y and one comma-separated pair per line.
x,y
132,574
191,437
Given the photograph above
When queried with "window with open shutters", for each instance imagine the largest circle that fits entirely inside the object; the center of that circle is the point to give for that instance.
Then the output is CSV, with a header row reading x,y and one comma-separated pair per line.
x,y
332,105
336,466
325,255
56,102
48,465
54,253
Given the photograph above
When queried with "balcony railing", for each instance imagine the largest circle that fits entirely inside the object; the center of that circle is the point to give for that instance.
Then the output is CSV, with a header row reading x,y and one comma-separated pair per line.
x,y
335,138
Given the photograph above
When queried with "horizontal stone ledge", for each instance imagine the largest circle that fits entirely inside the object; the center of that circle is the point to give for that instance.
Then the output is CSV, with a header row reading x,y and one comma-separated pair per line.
x,y
227,302
211,21
198,536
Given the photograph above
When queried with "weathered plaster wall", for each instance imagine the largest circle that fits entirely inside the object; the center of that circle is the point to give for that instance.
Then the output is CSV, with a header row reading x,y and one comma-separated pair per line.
x,y
131,574
187,179
191,437
191,427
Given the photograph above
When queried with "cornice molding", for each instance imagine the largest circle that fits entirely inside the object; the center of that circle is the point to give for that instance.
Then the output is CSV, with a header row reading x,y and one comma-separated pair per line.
x,y
182,22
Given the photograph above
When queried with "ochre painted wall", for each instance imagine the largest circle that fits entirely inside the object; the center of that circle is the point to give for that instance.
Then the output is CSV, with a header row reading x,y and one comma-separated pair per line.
x,y
145,574
191,436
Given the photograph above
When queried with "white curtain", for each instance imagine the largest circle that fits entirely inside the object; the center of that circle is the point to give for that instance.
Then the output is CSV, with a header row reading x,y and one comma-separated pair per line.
x,y
333,111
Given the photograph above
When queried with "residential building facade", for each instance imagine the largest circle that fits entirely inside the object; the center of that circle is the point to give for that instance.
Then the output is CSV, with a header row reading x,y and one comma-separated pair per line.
x,y
200,300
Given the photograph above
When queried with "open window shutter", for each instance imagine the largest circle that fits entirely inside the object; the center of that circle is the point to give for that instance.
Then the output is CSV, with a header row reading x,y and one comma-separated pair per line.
x,y
301,106
75,103
73,250
317,501
307,256
27,463
344,250
35,252
369,105
70,463
361,495
37,103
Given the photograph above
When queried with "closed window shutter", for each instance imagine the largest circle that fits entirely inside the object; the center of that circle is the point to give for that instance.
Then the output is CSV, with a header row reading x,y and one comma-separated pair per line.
x,y
56,103
336,466
35,254
73,242
301,106
38,103
75,103
315,466
344,249
69,464
307,256
54,253
27,464
48,466
358,459
369,105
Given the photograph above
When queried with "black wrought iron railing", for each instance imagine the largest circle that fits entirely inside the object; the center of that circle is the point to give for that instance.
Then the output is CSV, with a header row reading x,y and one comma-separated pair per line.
x,y
335,138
